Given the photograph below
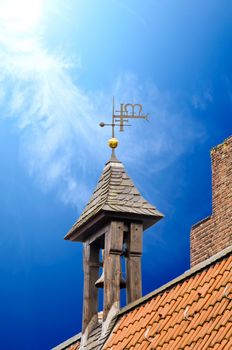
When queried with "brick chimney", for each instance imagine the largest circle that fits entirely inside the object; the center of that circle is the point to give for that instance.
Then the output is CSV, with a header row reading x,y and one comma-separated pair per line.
x,y
214,233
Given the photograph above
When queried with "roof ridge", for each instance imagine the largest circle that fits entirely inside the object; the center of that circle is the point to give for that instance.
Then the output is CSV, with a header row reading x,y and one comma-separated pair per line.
x,y
110,177
68,342
214,259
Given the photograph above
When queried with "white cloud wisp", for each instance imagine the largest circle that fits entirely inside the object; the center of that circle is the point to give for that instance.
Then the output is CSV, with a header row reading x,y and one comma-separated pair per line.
x,y
53,115
55,118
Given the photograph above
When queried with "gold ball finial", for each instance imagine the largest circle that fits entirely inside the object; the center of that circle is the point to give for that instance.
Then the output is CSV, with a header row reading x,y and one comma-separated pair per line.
x,y
113,142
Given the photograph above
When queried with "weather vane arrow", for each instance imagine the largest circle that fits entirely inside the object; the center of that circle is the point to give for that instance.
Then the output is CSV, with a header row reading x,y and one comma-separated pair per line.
x,y
121,118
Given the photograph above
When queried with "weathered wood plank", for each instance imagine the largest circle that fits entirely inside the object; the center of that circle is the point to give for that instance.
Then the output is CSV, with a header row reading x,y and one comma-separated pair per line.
x,y
112,267
100,232
133,262
91,270
136,238
114,238
133,281
111,283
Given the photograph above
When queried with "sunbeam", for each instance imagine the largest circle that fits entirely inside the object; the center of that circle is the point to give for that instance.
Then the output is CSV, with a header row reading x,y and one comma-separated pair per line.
x,y
20,16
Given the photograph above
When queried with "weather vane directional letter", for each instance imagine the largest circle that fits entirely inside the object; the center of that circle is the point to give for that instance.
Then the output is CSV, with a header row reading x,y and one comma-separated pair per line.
x,y
121,118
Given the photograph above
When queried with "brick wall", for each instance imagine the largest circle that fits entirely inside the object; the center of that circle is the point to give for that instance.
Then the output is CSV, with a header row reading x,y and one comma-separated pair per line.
x,y
214,233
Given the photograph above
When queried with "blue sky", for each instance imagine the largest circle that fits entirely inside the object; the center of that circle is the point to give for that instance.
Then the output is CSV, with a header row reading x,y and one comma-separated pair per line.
x,y
60,64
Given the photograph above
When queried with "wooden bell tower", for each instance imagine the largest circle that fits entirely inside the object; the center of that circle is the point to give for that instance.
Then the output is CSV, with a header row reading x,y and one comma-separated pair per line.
x,y
113,221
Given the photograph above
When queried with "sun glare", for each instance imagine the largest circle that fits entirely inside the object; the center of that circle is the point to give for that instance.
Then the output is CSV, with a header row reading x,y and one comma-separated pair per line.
x,y
20,15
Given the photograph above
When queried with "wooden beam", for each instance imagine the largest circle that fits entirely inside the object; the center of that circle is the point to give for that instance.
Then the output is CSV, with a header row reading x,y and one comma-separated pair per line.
x,y
114,238
133,262
133,278
100,232
91,270
81,233
135,243
112,267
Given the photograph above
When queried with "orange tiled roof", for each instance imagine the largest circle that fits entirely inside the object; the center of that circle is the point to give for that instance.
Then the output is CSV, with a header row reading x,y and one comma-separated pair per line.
x,y
194,313
74,347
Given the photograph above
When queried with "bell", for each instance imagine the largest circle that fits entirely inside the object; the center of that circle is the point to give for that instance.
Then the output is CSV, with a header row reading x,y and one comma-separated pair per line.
x,y
100,282
122,282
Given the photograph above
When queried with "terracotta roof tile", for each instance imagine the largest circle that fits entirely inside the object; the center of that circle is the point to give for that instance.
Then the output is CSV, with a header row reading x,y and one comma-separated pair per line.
x,y
190,313
75,346
195,313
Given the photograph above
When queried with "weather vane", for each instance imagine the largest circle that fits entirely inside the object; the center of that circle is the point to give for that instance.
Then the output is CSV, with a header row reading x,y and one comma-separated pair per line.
x,y
121,118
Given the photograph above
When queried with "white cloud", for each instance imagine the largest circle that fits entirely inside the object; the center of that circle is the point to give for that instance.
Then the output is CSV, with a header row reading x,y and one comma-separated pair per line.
x,y
61,143
170,132
53,114
201,101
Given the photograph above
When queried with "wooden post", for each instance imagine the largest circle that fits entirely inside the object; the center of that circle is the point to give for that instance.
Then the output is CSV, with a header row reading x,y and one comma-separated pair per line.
x,y
112,266
133,262
91,270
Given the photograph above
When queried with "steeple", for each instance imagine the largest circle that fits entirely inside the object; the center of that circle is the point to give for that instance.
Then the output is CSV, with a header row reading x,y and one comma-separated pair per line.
x,y
115,196
111,229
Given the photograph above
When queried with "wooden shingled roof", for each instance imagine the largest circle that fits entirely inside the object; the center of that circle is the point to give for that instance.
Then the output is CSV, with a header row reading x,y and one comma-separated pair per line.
x,y
116,193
